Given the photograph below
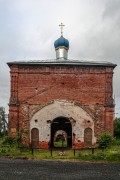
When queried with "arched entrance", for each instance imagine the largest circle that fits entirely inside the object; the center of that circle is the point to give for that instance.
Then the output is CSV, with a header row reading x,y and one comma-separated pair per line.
x,y
61,129
54,117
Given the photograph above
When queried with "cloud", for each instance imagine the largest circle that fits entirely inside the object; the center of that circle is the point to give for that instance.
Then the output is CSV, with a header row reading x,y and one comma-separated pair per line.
x,y
30,27
112,9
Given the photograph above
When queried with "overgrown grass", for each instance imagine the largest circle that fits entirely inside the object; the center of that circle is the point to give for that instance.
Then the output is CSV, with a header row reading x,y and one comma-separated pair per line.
x,y
111,154
60,144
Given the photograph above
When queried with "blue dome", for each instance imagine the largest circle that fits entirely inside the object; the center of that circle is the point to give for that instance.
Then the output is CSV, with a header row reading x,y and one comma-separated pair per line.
x,y
61,42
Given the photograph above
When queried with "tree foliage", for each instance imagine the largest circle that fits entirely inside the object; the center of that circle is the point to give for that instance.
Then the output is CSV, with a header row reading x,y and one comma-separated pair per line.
x,y
117,127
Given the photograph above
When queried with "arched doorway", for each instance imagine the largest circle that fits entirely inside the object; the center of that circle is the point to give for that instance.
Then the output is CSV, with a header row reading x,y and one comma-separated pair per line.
x,y
63,128
60,139
35,138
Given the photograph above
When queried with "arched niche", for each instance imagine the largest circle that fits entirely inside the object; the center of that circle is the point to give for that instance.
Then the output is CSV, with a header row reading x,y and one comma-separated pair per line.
x,y
35,138
88,137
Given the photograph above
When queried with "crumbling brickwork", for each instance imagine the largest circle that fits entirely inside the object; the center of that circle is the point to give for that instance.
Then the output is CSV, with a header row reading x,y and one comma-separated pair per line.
x,y
34,87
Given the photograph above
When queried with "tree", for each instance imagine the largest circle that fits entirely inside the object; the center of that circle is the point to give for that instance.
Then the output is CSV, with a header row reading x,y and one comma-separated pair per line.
x,y
3,122
117,127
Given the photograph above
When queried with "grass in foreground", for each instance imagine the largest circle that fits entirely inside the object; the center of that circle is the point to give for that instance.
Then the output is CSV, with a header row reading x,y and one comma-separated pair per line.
x,y
108,155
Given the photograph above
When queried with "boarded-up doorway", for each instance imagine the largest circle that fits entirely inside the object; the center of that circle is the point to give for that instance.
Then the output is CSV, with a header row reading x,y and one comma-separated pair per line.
x,y
88,137
35,138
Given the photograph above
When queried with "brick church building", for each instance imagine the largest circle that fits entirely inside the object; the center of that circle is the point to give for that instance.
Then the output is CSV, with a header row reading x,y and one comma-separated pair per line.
x,y
65,98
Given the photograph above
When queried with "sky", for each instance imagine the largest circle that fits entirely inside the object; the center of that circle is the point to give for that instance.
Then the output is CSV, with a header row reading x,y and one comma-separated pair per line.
x,y
28,29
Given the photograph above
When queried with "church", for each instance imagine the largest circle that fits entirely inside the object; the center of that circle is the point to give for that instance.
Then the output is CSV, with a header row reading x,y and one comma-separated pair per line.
x,y
60,98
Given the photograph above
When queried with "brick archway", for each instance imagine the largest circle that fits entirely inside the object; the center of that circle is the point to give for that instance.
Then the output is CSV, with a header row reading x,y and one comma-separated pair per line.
x,y
79,119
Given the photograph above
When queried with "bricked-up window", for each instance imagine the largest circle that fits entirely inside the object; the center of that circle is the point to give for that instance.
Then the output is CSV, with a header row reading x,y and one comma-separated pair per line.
x,y
88,137
14,87
35,138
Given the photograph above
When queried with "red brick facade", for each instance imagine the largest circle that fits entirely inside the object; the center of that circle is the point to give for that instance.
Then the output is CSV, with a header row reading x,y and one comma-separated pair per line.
x,y
37,85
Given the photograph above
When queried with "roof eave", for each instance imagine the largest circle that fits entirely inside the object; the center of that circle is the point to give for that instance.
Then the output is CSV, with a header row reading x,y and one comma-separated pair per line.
x,y
63,63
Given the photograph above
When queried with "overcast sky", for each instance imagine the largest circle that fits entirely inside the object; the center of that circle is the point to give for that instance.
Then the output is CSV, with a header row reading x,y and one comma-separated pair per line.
x,y
28,29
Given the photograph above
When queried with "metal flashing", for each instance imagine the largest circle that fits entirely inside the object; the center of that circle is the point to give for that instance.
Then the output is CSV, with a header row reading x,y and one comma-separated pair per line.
x,y
63,62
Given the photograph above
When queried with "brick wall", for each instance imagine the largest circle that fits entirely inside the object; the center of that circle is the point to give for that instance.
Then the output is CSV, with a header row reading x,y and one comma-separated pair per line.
x,y
88,86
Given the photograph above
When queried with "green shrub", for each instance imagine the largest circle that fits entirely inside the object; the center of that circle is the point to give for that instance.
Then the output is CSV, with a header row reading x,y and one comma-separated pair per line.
x,y
8,140
12,140
118,142
3,151
17,140
105,140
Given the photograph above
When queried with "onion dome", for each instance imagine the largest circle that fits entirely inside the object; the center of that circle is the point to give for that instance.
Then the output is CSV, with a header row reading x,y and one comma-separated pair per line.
x,y
61,42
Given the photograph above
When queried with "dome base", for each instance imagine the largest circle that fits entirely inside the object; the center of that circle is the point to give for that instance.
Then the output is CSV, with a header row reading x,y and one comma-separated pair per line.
x,y
61,53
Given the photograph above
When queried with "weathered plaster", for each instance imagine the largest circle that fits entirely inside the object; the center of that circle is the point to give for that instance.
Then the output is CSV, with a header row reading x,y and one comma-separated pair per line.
x,y
79,119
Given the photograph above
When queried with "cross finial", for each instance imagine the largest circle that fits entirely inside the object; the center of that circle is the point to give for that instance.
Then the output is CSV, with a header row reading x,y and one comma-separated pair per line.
x,y
61,26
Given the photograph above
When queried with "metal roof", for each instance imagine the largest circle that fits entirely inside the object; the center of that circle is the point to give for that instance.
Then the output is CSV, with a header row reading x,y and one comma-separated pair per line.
x,y
63,62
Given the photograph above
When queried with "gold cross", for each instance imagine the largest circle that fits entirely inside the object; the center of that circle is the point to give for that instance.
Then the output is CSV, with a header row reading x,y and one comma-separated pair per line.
x,y
61,26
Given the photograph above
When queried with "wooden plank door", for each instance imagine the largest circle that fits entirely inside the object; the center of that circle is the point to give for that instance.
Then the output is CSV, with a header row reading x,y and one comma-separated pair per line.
x,y
35,138
88,137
